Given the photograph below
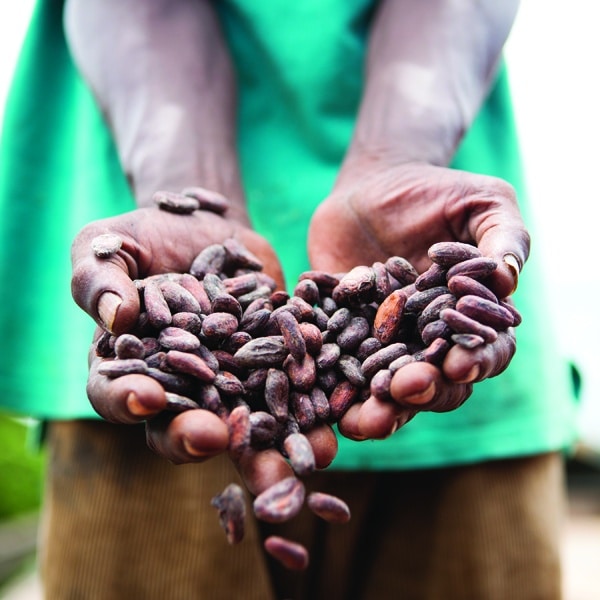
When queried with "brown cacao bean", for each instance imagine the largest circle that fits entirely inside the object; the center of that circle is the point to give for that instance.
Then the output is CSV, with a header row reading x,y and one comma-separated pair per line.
x,y
389,316
350,367
239,426
189,321
219,326
486,312
401,270
468,340
175,203
433,277
263,429
277,391
357,330
175,338
302,409
106,245
281,501
477,268
325,281
342,397
210,260
231,505
240,285
382,358
302,373
120,367
292,335
308,290
320,403
380,384
191,364
177,403
461,323
448,254
358,285
290,554
300,453
128,345
461,285
178,298
330,508
192,285
207,199
157,309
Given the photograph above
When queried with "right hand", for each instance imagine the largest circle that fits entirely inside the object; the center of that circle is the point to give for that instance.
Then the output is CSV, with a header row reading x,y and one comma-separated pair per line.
x,y
154,242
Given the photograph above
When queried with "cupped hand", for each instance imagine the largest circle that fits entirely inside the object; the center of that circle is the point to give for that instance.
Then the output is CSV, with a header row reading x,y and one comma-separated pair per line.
x,y
154,242
377,211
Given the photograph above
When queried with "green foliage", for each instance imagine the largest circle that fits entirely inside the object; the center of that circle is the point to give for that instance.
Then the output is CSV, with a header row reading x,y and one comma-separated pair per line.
x,y
21,469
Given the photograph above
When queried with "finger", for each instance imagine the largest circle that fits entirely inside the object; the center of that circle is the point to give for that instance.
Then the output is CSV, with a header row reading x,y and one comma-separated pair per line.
x,y
510,249
415,384
261,469
379,419
191,436
103,287
463,365
126,399
500,233
421,386
324,443
348,424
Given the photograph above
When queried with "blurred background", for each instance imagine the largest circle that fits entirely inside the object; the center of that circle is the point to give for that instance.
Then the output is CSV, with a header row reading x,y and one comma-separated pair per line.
x,y
552,56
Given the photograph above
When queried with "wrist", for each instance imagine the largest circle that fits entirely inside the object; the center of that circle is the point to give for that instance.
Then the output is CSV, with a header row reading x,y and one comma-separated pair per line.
x,y
369,167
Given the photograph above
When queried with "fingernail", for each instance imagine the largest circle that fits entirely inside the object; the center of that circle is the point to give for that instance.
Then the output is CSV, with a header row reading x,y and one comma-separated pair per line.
x,y
394,428
191,450
108,304
471,376
135,407
422,397
514,264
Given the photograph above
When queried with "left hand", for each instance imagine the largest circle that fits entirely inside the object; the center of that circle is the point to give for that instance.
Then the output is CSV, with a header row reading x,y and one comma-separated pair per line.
x,y
379,211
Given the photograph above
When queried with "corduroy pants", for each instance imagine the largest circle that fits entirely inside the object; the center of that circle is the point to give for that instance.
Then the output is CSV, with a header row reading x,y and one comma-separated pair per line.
x,y
121,523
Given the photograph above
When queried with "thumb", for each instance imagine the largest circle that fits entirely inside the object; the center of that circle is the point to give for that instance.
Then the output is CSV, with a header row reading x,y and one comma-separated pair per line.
x,y
508,244
103,287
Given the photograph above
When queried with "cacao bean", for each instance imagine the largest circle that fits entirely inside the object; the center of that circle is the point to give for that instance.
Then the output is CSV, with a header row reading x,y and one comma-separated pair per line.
x,y
290,554
448,254
280,502
207,199
231,505
175,203
106,245
330,508
300,453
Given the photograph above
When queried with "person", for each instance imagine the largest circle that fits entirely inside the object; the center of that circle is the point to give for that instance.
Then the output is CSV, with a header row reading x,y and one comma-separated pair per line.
x,y
326,168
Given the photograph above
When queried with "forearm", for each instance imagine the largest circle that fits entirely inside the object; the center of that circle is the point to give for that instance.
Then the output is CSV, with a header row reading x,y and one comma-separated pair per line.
x,y
162,75
429,67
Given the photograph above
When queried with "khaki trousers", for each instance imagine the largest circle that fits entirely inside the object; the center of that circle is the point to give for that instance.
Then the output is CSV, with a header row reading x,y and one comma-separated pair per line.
x,y
122,523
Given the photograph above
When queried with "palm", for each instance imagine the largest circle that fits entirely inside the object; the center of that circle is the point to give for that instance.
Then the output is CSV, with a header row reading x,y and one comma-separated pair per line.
x,y
154,242
403,210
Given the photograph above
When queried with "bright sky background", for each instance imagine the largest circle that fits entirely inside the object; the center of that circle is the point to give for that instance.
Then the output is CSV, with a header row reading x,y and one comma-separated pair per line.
x,y
552,54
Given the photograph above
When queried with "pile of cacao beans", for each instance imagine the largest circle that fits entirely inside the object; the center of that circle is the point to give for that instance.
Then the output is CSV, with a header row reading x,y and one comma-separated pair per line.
x,y
273,364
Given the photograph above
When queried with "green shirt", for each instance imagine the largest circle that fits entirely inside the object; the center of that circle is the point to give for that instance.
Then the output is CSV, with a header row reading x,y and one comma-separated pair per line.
x,y
300,76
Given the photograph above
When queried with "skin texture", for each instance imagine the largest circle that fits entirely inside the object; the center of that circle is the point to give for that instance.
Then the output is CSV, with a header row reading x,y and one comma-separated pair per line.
x,y
394,193
429,67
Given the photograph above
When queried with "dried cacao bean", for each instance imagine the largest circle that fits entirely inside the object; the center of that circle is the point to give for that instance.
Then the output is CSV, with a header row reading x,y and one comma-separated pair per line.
x,y
281,501
290,554
328,507
106,245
